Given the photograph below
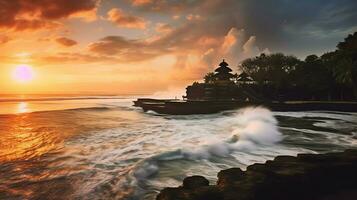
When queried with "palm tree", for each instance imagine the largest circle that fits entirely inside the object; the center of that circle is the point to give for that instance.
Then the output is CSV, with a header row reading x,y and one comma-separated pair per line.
x,y
209,78
345,69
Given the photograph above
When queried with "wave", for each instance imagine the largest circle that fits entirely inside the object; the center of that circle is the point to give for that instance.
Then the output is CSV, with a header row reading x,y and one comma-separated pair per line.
x,y
94,108
255,126
59,98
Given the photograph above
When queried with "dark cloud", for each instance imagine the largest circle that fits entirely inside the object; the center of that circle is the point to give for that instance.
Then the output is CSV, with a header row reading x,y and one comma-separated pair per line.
x,y
292,25
191,37
35,14
66,41
144,49
237,29
281,25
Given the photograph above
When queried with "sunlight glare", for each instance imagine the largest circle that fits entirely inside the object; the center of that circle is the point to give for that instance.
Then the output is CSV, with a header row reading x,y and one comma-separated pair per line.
x,y
23,73
22,107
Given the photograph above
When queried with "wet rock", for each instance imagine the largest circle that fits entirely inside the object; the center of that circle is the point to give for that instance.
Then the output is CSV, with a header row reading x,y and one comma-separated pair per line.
x,y
193,182
330,176
174,193
229,176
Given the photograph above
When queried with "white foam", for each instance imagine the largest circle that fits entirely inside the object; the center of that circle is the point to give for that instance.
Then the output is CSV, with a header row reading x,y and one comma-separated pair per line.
x,y
254,126
152,112
145,171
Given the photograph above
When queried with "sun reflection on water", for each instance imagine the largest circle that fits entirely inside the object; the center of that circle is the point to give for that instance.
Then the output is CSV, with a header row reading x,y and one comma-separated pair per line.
x,y
22,139
22,107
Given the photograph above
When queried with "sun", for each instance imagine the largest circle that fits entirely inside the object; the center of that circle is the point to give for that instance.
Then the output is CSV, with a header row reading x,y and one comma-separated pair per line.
x,y
23,73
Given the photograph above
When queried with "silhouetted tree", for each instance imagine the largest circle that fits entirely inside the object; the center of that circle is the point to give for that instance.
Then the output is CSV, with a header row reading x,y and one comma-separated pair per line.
x,y
343,63
349,45
209,78
330,76
271,69
312,77
346,67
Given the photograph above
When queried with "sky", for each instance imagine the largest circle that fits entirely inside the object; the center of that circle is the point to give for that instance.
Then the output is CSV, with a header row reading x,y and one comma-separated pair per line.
x,y
152,46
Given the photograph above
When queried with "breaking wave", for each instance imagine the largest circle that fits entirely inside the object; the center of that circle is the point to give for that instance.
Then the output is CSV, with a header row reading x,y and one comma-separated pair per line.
x,y
254,126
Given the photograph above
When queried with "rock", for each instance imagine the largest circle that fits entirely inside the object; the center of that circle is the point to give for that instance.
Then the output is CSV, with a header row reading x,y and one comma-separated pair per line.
x,y
330,176
229,176
173,193
193,182
207,193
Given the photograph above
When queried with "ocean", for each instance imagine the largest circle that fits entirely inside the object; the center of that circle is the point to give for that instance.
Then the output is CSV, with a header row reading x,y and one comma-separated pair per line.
x,y
97,147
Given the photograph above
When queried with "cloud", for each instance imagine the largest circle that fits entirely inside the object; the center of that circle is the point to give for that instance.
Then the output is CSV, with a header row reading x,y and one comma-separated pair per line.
x,y
125,50
226,29
167,6
141,2
192,38
122,19
87,16
315,25
191,17
237,46
163,28
4,39
78,58
66,41
188,37
22,15
194,57
112,45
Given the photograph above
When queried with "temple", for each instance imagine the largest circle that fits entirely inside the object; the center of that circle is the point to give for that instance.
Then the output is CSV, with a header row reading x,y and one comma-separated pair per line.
x,y
223,73
224,90
221,85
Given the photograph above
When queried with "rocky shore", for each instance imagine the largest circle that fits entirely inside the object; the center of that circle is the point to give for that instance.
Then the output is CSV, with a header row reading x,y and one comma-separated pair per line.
x,y
330,176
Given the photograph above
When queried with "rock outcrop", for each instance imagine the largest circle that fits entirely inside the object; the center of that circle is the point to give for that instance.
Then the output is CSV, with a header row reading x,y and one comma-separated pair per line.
x,y
330,176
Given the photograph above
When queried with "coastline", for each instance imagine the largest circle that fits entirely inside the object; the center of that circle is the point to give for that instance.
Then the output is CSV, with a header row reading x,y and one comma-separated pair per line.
x,y
179,107
329,176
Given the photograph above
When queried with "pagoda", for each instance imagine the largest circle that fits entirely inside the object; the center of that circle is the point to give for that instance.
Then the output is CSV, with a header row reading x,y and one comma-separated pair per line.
x,y
219,87
223,72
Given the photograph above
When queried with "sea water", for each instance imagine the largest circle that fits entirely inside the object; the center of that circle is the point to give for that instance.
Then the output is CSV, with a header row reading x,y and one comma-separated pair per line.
x,y
104,148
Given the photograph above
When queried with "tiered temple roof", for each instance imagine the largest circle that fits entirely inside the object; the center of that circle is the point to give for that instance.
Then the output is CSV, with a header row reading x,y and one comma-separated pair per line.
x,y
223,72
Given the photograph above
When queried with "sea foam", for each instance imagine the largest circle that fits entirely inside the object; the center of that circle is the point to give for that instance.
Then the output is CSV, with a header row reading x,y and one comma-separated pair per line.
x,y
254,126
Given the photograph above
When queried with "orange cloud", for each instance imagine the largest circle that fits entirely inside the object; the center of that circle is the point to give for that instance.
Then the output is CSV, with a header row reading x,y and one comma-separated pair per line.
x,y
22,15
4,39
191,17
112,45
238,46
141,2
163,28
165,5
122,19
87,16
78,58
66,41
125,49
206,41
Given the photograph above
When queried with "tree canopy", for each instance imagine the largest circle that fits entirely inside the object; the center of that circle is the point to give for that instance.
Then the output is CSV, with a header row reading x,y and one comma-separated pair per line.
x,y
331,76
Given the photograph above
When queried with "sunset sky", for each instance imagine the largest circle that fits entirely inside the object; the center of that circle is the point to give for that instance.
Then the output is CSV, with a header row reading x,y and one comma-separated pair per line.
x,y
147,46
